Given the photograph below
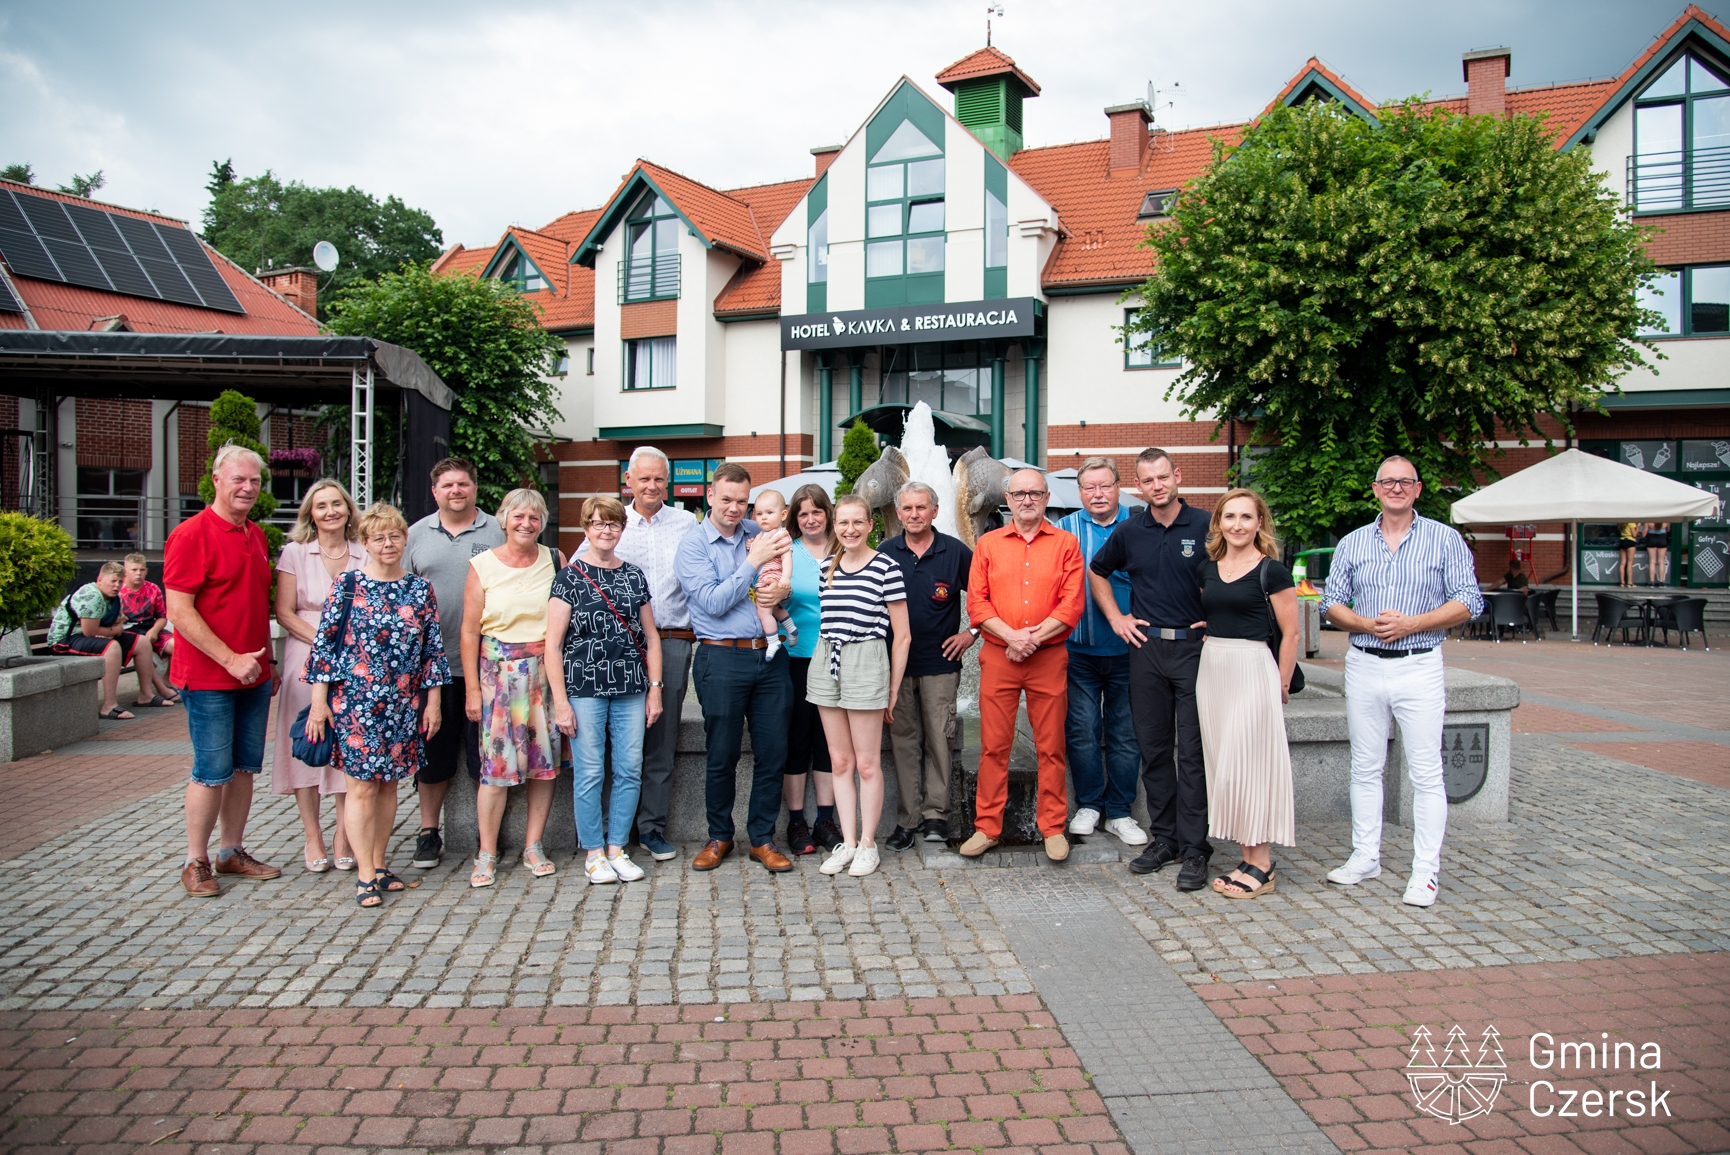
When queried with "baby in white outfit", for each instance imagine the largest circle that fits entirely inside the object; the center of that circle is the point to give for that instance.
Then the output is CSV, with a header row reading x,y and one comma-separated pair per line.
x,y
770,513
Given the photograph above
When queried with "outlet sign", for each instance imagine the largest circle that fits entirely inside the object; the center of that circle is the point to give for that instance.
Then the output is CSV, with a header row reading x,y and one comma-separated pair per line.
x,y
913,324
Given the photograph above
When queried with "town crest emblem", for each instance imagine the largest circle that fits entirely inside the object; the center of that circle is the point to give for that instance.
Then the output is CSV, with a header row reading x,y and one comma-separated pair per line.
x,y
1456,1088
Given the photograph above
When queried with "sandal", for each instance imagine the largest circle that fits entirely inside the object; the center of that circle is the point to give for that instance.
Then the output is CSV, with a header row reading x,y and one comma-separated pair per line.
x,y
536,860
116,715
366,893
1228,887
486,867
388,882
154,703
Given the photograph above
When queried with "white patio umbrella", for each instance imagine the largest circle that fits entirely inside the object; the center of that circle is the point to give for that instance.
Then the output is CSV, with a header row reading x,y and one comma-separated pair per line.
x,y
1574,487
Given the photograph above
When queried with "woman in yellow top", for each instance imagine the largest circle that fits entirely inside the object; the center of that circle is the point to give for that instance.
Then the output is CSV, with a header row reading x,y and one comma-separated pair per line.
x,y
504,642
1627,540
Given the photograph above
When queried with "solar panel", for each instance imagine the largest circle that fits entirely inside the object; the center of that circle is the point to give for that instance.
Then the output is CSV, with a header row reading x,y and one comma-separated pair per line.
x,y
76,244
8,303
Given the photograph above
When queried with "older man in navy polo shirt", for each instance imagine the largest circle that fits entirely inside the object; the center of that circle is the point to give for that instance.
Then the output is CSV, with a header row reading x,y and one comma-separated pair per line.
x,y
1162,548
934,568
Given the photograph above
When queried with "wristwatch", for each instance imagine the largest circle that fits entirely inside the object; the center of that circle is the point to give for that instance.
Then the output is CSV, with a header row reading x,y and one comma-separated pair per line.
x,y
653,685
974,630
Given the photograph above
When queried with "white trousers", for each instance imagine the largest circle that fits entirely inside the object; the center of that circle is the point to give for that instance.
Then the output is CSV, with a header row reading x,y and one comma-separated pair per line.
x,y
1409,691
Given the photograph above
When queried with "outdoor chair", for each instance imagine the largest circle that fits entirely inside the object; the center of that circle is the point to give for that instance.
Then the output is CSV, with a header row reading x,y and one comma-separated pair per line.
x,y
1614,614
1508,611
1548,599
1534,614
1480,626
1684,615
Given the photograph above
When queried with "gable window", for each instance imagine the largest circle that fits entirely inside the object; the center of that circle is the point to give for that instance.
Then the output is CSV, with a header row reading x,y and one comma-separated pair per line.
x,y
904,210
1142,350
650,271
651,363
1157,203
1681,139
996,229
1694,302
518,270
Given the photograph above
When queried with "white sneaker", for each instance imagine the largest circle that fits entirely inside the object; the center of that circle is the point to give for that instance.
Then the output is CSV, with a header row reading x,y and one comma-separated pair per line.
x,y
598,868
838,859
864,862
622,865
1421,890
1355,870
1086,821
1127,831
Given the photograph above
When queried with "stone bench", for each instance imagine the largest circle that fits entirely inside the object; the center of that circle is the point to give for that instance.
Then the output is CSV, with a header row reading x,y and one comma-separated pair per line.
x,y
1315,727
47,703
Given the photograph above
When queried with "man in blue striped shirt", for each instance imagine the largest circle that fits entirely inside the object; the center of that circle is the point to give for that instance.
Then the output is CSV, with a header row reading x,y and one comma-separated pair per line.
x,y
1099,730
1398,584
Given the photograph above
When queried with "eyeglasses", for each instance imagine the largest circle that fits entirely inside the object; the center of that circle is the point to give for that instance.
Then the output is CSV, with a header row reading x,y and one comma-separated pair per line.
x,y
1396,483
1024,494
1098,488
612,525
394,537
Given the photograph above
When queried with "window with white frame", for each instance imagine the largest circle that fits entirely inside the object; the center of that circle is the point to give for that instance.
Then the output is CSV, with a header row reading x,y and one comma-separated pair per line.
x,y
651,363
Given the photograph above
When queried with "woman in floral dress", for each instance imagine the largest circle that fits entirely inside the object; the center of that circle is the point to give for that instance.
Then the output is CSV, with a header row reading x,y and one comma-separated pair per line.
x,y
380,656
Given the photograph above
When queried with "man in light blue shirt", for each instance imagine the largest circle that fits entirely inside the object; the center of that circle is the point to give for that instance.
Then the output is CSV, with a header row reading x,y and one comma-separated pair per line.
x,y
717,564
1104,760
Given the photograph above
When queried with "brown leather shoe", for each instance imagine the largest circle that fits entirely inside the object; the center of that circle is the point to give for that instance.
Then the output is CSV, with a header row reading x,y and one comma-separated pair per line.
x,y
771,858
711,855
198,880
245,865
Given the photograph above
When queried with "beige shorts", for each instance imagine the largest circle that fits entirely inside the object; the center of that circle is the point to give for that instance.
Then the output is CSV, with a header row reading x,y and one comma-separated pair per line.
x,y
864,681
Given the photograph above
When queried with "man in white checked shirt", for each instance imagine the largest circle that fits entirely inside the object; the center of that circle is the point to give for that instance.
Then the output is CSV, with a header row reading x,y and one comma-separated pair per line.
x,y
1398,584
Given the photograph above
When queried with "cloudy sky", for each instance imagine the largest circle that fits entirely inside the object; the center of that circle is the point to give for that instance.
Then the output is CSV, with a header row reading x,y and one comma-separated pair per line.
x,y
514,111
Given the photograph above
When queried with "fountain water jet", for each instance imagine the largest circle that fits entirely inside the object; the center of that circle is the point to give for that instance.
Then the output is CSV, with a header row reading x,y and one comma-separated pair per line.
x,y
928,462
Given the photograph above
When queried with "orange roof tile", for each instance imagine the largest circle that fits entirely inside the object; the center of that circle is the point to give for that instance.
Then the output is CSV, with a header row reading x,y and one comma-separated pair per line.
x,y
460,259
571,227
725,221
756,288
987,61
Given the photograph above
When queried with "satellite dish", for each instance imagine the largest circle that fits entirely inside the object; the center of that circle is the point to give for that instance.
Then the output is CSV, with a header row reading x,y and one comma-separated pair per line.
x,y
324,256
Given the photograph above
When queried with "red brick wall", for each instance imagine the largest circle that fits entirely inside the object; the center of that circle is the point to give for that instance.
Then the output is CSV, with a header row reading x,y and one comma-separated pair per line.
x,y
1689,238
10,447
648,319
194,421
113,433
1204,466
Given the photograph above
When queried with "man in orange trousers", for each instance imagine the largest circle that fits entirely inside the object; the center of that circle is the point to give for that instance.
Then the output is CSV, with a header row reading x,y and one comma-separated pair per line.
x,y
1024,596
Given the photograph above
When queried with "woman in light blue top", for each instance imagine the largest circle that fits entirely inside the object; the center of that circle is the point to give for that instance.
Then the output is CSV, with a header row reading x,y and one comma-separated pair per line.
x,y
807,749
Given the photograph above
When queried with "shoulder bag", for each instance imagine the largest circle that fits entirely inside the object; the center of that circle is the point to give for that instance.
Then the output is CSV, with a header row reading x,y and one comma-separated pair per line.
x,y
623,624
1275,637
319,753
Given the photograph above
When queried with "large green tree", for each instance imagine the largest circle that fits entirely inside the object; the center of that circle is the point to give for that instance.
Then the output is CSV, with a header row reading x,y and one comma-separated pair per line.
x,y
1423,285
485,340
259,221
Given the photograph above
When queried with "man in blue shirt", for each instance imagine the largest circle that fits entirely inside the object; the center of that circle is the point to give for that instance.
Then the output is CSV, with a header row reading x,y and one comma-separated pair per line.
x,y
1398,584
1162,548
1099,731
717,566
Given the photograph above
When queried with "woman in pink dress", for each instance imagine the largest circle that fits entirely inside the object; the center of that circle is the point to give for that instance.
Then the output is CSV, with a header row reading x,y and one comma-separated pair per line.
x,y
320,548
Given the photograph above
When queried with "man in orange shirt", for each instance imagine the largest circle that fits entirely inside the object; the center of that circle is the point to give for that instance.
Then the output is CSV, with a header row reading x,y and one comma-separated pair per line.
x,y
1024,595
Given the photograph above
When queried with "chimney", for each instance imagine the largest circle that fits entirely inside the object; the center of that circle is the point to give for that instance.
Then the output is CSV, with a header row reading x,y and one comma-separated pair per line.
x,y
296,283
1486,71
1128,136
825,154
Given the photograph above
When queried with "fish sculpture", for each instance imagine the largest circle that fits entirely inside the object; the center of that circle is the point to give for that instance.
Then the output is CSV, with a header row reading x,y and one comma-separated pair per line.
x,y
882,480
980,485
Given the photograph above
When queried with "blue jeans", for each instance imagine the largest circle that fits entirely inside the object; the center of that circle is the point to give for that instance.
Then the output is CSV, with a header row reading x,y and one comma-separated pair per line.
x,y
598,718
736,687
227,731
1103,757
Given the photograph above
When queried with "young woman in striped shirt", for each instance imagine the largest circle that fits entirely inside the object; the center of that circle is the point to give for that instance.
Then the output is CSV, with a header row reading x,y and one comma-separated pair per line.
x,y
855,677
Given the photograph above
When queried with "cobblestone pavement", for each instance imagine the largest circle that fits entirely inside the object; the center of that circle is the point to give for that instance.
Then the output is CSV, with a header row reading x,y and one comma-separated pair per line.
x,y
1340,1046
837,1078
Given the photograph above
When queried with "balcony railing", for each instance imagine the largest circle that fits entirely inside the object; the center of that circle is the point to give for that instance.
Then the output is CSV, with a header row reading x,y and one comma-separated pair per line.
x,y
656,280
1668,181
124,523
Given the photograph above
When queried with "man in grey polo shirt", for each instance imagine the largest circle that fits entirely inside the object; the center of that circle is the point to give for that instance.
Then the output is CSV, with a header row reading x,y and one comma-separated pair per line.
x,y
439,548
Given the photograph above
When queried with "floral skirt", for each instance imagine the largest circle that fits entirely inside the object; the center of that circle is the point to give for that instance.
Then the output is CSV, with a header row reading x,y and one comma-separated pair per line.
x,y
518,741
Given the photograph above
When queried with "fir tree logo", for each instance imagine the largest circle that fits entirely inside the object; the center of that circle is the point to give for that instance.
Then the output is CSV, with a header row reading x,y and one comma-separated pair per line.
x,y
1456,1087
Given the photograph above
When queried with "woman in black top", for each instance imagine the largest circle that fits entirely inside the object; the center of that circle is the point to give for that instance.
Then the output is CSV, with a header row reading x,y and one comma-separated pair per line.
x,y
1248,598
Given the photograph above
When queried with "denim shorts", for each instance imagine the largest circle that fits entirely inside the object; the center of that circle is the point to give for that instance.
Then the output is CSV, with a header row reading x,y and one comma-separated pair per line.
x,y
227,730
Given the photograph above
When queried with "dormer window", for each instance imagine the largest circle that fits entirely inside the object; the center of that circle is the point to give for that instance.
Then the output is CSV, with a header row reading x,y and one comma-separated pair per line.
x,y
650,271
1155,204
1682,139
518,270
904,206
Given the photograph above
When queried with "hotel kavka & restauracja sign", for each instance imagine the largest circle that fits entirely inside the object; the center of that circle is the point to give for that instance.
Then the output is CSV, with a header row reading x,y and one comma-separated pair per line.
x,y
958,321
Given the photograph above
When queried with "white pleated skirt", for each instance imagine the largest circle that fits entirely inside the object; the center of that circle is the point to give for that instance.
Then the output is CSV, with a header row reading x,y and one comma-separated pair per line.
x,y
1249,786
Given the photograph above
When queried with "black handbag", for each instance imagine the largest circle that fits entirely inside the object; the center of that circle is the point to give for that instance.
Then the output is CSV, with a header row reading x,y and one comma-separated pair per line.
x,y
320,753
1274,639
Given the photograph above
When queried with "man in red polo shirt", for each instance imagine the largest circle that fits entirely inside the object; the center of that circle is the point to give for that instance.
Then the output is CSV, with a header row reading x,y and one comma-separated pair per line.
x,y
217,573
1024,594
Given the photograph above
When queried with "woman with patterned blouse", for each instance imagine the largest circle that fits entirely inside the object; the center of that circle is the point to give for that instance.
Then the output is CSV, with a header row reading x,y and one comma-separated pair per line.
x,y
609,659
379,645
